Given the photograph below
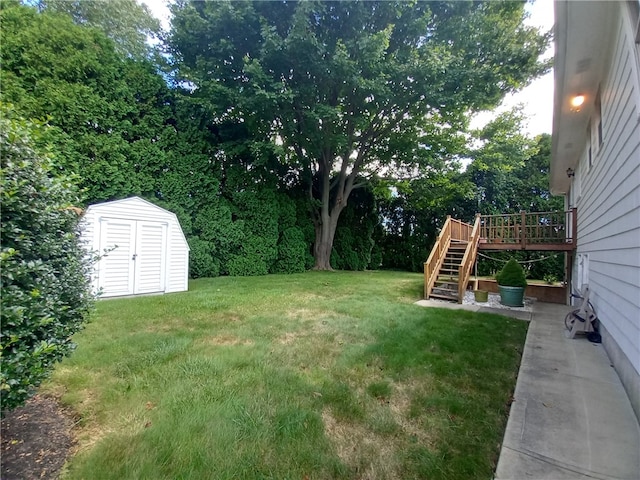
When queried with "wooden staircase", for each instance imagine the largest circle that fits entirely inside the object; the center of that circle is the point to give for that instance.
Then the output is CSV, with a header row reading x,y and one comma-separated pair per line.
x,y
447,277
448,268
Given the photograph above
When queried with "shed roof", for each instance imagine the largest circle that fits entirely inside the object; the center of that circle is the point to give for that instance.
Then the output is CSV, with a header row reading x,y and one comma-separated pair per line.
x,y
135,199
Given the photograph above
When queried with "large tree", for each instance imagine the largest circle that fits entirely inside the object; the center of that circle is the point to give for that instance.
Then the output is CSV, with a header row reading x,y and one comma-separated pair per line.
x,y
509,169
128,23
111,117
339,90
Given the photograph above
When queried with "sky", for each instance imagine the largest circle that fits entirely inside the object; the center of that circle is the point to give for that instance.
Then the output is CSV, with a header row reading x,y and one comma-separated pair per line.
x,y
537,98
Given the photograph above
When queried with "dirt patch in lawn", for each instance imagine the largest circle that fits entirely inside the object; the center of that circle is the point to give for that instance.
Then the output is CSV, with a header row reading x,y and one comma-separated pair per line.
x,y
227,340
289,337
36,440
400,405
368,455
303,314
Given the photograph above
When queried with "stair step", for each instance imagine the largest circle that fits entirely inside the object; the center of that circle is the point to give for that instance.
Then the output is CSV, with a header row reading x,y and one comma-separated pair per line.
x,y
452,287
444,297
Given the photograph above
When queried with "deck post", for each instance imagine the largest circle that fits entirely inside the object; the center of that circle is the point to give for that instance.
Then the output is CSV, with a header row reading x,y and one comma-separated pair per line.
x,y
568,270
574,227
523,222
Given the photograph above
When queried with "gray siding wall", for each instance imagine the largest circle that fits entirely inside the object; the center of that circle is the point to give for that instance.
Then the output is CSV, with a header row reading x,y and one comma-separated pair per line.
x,y
607,195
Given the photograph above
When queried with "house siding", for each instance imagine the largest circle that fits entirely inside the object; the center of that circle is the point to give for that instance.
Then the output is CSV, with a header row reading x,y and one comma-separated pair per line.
x,y
607,196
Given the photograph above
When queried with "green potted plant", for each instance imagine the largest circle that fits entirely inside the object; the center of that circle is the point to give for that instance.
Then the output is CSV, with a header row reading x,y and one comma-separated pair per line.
x,y
511,284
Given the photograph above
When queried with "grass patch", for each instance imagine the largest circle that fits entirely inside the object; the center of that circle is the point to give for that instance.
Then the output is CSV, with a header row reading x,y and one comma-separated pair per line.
x,y
317,375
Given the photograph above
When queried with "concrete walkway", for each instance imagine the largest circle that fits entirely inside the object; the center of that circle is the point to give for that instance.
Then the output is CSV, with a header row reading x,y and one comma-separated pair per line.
x,y
571,417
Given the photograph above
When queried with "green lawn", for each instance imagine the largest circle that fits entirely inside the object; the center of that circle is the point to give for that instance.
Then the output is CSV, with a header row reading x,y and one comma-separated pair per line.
x,y
309,376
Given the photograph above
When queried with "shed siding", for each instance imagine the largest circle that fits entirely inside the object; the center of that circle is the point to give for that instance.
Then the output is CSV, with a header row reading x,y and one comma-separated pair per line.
x,y
608,202
162,267
178,261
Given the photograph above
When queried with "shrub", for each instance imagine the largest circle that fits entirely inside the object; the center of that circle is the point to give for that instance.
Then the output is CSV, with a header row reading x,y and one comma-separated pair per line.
x,y
512,275
44,271
291,252
201,260
376,258
247,265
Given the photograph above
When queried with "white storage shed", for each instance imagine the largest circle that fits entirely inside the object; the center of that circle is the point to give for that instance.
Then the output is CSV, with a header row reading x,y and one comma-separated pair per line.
x,y
146,249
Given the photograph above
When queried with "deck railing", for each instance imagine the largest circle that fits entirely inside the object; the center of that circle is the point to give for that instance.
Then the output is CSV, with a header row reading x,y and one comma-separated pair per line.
x,y
452,230
469,258
526,231
529,229
436,257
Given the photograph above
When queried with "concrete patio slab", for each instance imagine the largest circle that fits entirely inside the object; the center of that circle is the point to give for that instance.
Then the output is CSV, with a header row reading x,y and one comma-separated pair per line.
x,y
520,314
571,417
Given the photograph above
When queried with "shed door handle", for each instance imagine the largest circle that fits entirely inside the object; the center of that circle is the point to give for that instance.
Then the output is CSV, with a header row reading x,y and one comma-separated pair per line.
x,y
134,256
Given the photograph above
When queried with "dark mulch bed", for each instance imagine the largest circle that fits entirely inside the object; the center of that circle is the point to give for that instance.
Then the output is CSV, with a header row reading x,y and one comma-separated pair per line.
x,y
36,440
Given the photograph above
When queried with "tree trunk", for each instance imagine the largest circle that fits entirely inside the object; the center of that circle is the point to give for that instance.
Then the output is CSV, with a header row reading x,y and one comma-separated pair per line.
x,y
325,233
326,219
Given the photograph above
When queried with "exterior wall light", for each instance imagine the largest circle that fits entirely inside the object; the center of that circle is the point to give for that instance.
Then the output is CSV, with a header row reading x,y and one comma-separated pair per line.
x,y
571,172
577,101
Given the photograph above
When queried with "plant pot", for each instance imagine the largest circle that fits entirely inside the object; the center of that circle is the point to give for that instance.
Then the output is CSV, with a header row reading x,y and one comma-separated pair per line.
x,y
481,295
511,296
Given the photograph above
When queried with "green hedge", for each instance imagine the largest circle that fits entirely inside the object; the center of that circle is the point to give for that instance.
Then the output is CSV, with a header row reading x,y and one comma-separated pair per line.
x,y
44,270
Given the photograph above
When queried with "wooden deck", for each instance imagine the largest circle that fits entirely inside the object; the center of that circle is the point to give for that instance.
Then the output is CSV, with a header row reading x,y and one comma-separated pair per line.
x,y
546,231
447,270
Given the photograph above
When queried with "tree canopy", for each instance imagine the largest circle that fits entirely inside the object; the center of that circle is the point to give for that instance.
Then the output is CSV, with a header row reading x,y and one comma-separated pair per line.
x,y
337,91
128,23
286,129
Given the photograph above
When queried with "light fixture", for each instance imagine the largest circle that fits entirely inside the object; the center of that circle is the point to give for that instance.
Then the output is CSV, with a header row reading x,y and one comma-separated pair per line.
x,y
577,101
571,172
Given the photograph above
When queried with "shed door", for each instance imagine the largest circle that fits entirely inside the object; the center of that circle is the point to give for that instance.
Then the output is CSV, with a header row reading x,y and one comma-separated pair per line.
x,y
135,259
149,261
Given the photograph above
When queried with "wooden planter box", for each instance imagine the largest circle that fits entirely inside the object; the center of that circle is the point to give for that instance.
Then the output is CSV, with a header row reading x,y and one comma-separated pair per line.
x,y
544,293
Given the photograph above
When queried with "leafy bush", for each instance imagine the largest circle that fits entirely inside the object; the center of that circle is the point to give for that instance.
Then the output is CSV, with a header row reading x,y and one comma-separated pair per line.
x,y
376,258
46,295
201,260
512,275
291,252
538,266
353,241
247,265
